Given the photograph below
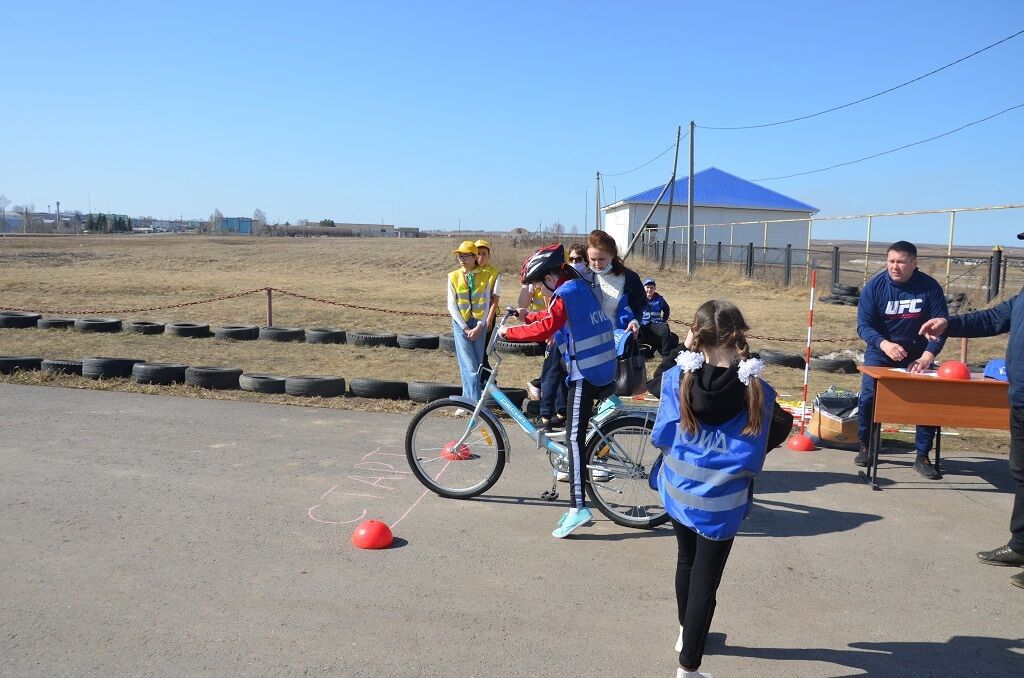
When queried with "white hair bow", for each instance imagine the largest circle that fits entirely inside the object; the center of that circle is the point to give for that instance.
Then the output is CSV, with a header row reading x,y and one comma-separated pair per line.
x,y
751,367
690,361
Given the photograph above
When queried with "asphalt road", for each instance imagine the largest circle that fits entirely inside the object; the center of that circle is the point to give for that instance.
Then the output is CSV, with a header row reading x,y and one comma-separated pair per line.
x,y
165,536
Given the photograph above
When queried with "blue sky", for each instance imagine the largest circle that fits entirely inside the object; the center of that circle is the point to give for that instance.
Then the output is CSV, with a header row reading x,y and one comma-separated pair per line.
x,y
499,114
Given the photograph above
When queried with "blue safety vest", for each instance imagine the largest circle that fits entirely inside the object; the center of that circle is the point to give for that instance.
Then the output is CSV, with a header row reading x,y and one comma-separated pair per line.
x,y
706,476
588,344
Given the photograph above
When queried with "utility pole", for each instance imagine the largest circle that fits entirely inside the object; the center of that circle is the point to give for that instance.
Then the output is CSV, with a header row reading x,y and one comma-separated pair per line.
x,y
58,216
689,211
671,199
597,202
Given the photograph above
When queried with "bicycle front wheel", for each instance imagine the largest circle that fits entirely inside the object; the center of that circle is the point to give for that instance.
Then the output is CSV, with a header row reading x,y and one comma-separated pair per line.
x,y
618,467
458,471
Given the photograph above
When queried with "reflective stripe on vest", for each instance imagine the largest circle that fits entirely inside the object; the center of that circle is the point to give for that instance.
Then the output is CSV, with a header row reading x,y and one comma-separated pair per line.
x,y
471,304
705,476
590,342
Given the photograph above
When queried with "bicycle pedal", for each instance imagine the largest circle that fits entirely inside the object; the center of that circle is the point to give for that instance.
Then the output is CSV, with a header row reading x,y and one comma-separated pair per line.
x,y
549,495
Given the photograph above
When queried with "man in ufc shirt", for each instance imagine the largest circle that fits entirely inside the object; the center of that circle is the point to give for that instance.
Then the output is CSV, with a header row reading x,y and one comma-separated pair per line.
x,y
891,310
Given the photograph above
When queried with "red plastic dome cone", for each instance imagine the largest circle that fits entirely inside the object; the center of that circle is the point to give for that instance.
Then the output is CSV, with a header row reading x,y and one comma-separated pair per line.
x,y
453,453
954,369
372,534
800,443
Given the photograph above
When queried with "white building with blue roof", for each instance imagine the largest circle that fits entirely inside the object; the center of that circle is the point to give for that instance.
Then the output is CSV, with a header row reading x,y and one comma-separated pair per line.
x,y
724,206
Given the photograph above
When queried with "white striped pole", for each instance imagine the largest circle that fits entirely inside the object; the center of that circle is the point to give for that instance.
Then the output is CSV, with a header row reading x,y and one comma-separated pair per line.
x,y
801,443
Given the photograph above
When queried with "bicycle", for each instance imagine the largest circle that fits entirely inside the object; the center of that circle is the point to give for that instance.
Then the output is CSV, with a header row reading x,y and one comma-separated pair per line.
x,y
458,449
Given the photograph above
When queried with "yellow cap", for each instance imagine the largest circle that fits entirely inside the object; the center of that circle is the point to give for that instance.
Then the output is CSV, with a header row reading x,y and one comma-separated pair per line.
x,y
467,247
483,243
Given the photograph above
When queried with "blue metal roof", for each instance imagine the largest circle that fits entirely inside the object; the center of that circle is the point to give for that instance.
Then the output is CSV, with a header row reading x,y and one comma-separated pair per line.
x,y
714,188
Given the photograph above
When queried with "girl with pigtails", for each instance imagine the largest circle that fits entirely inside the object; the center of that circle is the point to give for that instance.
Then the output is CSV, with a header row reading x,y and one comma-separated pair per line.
x,y
716,421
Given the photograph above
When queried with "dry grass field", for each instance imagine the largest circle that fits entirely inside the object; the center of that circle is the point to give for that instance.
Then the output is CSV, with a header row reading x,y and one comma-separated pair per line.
x,y
89,276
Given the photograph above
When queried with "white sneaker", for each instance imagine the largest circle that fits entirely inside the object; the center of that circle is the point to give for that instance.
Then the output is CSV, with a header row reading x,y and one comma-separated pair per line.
x,y
599,472
683,673
679,643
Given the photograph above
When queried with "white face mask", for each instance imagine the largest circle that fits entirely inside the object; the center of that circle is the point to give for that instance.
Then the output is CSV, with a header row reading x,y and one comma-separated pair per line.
x,y
603,271
580,266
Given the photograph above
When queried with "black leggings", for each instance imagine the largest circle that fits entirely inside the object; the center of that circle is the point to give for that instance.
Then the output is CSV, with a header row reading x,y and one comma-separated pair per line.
x,y
698,574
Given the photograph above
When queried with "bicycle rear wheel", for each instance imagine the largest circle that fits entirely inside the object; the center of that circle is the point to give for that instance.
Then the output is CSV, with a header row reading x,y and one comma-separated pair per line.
x,y
618,472
447,469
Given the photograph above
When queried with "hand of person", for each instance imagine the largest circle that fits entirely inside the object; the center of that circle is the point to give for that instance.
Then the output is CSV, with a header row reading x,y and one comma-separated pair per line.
x,y
893,350
688,342
923,363
934,328
633,327
551,341
501,332
522,314
473,333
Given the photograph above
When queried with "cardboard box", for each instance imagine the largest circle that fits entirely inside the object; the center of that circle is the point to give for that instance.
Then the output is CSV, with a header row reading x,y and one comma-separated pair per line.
x,y
831,429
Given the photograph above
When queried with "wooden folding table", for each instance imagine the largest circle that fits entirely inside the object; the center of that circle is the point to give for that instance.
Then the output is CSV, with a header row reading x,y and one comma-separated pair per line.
x,y
925,400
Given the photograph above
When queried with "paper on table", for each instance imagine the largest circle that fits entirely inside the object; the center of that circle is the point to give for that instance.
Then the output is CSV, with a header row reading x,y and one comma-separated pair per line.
x,y
925,373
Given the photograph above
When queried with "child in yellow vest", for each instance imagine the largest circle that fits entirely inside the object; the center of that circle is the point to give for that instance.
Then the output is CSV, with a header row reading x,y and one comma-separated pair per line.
x,y
469,301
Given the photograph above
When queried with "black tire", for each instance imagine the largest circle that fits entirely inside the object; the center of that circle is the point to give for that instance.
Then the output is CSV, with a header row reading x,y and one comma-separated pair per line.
x,y
421,451
275,333
62,366
958,297
237,332
55,323
143,327
446,342
360,338
845,289
18,319
101,367
849,297
324,387
161,374
418,341
831,301
98,325
325,335
10,364
379,388
261,383
188,330
217,378
781,358
839,366
625,496
429,391
528,348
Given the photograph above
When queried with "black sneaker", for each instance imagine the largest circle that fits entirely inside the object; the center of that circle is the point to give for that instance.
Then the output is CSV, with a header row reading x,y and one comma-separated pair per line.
x,y
1018,579
1003,555
862,458
925,468
558,422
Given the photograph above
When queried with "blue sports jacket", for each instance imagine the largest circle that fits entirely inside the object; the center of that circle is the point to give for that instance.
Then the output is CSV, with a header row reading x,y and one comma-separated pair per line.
x,y
1006,317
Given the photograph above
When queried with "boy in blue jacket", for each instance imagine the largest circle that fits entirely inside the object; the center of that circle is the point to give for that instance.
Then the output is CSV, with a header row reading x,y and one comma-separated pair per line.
x,y
892,308
654,328
1006,317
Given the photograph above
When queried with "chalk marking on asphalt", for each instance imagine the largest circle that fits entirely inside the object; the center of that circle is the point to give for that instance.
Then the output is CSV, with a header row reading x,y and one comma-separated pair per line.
x,y
415,503
332,522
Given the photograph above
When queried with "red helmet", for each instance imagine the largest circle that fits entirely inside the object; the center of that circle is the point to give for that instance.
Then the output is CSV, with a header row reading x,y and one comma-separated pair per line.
x,y
547,259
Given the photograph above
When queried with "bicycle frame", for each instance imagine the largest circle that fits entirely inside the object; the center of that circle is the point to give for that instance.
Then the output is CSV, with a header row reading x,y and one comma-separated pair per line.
x,y
539,437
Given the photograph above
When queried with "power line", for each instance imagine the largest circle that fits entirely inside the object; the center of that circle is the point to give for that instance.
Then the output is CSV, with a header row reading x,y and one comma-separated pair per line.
x,y
619,174
878,94
893,150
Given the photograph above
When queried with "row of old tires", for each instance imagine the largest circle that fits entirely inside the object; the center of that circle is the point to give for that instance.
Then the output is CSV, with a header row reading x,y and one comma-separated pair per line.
x,y
795,360
316,335
230,378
